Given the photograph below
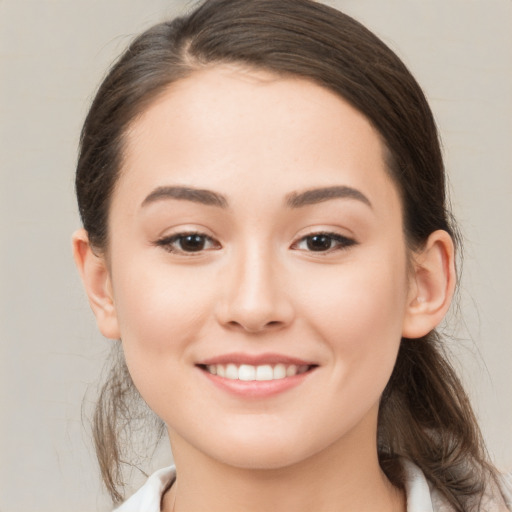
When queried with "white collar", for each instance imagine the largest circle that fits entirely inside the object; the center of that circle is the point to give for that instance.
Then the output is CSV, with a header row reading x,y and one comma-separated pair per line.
x,y
420,495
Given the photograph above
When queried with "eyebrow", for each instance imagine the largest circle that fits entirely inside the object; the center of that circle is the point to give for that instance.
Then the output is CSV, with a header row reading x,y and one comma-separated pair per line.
x,y
318,195
293,200
195,195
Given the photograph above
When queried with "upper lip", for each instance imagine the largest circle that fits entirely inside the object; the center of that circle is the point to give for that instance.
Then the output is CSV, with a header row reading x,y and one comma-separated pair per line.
x,y
255,359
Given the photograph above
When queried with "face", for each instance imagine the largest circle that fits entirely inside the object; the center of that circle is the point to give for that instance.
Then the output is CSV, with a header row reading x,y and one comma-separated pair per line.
x,y
258,267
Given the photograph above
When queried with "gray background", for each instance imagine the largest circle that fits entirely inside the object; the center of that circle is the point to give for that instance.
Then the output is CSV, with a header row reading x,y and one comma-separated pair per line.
x,y
52,55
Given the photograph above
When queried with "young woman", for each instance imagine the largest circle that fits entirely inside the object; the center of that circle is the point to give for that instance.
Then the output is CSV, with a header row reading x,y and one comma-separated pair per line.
x,y
266,231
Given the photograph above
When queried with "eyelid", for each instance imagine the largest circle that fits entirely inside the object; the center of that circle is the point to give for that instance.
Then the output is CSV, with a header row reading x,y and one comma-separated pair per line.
x,y
166,242
344,242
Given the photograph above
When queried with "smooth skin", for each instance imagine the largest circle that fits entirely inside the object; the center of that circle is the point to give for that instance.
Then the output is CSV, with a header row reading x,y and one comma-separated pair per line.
x,y
297,249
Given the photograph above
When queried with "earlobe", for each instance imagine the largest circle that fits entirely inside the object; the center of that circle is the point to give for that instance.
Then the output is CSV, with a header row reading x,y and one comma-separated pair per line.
x,y
96,279
432,285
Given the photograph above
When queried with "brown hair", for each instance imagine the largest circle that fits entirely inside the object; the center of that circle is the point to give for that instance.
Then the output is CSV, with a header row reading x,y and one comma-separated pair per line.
x,y
425,414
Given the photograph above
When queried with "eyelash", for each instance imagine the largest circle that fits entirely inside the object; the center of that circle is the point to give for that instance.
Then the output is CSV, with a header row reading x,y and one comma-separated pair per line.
x,y
340,242
169,243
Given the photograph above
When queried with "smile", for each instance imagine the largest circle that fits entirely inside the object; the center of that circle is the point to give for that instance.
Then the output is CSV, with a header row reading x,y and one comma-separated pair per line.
x,y
247,372
251,376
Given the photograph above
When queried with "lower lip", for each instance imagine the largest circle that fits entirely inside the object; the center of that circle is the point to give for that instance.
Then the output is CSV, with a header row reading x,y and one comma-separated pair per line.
x,y
257,388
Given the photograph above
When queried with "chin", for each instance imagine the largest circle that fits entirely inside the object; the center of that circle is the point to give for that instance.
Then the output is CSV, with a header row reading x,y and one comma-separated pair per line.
x,y
263,452
262,459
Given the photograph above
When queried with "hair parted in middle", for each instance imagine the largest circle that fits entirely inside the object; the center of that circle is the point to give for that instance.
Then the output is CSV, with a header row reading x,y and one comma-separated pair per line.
x,y
424,413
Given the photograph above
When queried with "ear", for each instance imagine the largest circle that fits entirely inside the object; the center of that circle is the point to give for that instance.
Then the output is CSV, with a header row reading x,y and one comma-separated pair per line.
x,y
96,279
432,285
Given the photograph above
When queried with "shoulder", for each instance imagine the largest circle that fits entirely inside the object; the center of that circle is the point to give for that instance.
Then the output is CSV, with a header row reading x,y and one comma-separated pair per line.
x,y
504,489
149,496
422,496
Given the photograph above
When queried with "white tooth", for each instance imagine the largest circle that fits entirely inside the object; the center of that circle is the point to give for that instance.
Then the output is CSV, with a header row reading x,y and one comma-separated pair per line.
x,y
231,372
264,372
221,370
279,371
247,372
212,369
291,370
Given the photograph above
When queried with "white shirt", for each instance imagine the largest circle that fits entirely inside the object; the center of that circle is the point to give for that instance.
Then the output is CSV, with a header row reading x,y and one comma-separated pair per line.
x,y
421,497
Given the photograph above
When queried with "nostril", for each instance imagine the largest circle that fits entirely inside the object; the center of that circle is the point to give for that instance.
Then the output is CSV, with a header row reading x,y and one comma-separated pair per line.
x,y
254,327
251,313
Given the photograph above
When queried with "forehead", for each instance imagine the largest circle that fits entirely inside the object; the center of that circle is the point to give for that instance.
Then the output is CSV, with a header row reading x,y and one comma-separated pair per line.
x,y
226,125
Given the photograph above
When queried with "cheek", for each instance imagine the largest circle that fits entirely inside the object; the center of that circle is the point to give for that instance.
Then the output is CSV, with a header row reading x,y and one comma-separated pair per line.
x,y
361,326
160,311
359,314
358,299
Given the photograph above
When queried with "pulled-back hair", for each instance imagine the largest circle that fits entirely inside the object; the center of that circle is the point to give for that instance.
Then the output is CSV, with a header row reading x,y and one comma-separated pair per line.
x,y
424,413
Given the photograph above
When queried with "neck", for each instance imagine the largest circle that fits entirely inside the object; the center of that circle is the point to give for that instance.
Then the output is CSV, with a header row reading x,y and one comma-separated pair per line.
x,y
344,477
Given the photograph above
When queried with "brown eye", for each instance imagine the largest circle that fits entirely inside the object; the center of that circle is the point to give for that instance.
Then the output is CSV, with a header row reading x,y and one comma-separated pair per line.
x,y
323,242
192,243
187,243
319,242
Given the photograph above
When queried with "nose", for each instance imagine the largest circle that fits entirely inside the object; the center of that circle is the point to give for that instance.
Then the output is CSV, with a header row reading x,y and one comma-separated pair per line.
x,y
255,298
